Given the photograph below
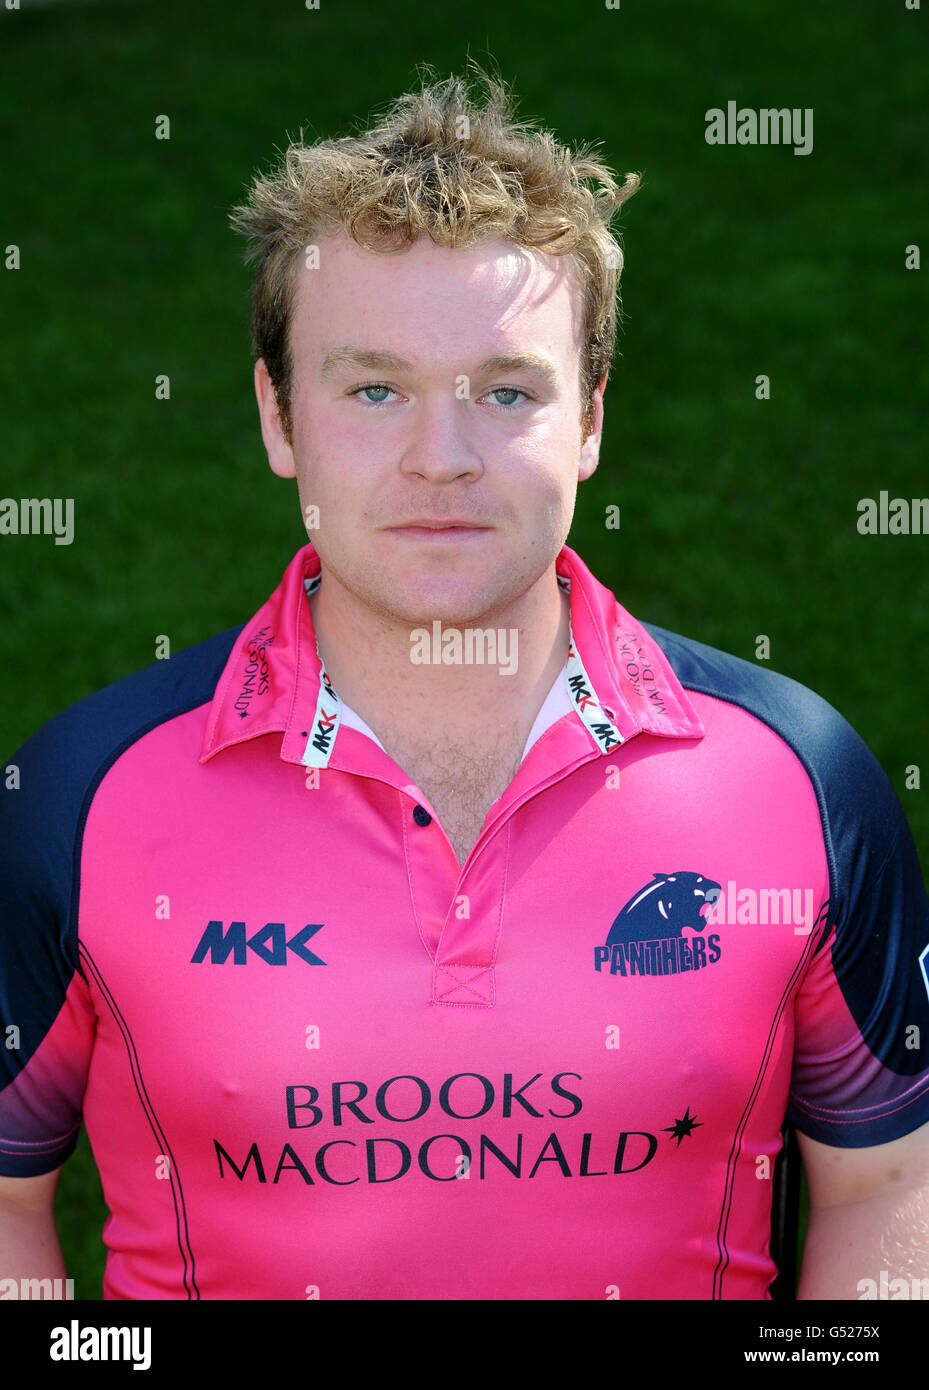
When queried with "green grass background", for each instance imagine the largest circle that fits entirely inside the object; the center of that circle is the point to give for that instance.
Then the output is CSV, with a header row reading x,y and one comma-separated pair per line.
x,y
738,516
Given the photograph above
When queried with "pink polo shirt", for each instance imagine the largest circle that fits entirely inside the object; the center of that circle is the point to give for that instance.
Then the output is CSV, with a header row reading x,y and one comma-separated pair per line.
x,y
318,1057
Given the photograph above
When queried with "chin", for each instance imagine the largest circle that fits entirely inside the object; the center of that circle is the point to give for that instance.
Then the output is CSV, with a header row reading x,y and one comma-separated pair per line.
x,y
421,611
453,600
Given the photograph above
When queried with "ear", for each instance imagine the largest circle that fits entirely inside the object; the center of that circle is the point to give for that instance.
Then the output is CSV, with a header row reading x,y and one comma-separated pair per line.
x,y
280,453
590,449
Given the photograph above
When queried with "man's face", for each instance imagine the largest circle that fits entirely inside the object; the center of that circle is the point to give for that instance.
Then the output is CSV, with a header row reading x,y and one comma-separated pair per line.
x,y
437,432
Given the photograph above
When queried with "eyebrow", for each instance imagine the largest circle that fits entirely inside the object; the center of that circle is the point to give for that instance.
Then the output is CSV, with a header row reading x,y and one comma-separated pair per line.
x,y
365,359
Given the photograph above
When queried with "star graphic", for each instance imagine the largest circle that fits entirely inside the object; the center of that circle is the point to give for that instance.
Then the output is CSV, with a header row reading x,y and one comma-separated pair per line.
x,y
681,1129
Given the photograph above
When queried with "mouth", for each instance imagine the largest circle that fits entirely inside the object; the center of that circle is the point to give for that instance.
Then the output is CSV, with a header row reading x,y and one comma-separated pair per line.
x,y
440,531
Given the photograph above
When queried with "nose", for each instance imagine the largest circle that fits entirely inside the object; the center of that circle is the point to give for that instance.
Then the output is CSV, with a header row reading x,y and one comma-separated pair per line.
x,y
438,447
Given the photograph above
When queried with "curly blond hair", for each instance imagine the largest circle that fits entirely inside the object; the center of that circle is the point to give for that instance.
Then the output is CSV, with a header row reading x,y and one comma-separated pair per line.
x,y
440,162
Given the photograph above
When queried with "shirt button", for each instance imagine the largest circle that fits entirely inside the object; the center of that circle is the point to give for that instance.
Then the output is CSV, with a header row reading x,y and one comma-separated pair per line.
x,y
421,815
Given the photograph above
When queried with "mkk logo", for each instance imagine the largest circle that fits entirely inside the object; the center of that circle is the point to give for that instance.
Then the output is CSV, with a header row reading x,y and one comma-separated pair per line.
x,y
325,728
325,725
661,930
270,943
587,705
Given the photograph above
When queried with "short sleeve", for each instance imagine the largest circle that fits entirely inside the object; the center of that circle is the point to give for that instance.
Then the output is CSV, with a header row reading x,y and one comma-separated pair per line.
x,y
47,1019
860,1072
861,1060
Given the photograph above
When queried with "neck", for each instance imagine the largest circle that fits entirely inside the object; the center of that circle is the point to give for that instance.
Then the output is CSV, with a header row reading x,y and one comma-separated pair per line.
x,y
399,685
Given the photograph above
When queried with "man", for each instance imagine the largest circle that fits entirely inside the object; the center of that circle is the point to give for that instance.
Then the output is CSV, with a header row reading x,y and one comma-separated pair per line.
x,y
444,931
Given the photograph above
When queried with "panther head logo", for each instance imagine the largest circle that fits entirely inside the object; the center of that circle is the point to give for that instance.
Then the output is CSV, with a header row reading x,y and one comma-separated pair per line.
x,y
665,907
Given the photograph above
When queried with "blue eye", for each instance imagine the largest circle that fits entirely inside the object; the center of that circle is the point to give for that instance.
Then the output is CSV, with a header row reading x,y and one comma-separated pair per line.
x,y
374,386
508,390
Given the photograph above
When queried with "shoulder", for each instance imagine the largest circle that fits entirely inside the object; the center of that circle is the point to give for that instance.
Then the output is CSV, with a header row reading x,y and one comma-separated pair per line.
x,y
109,719
47,783
787,706
855,796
